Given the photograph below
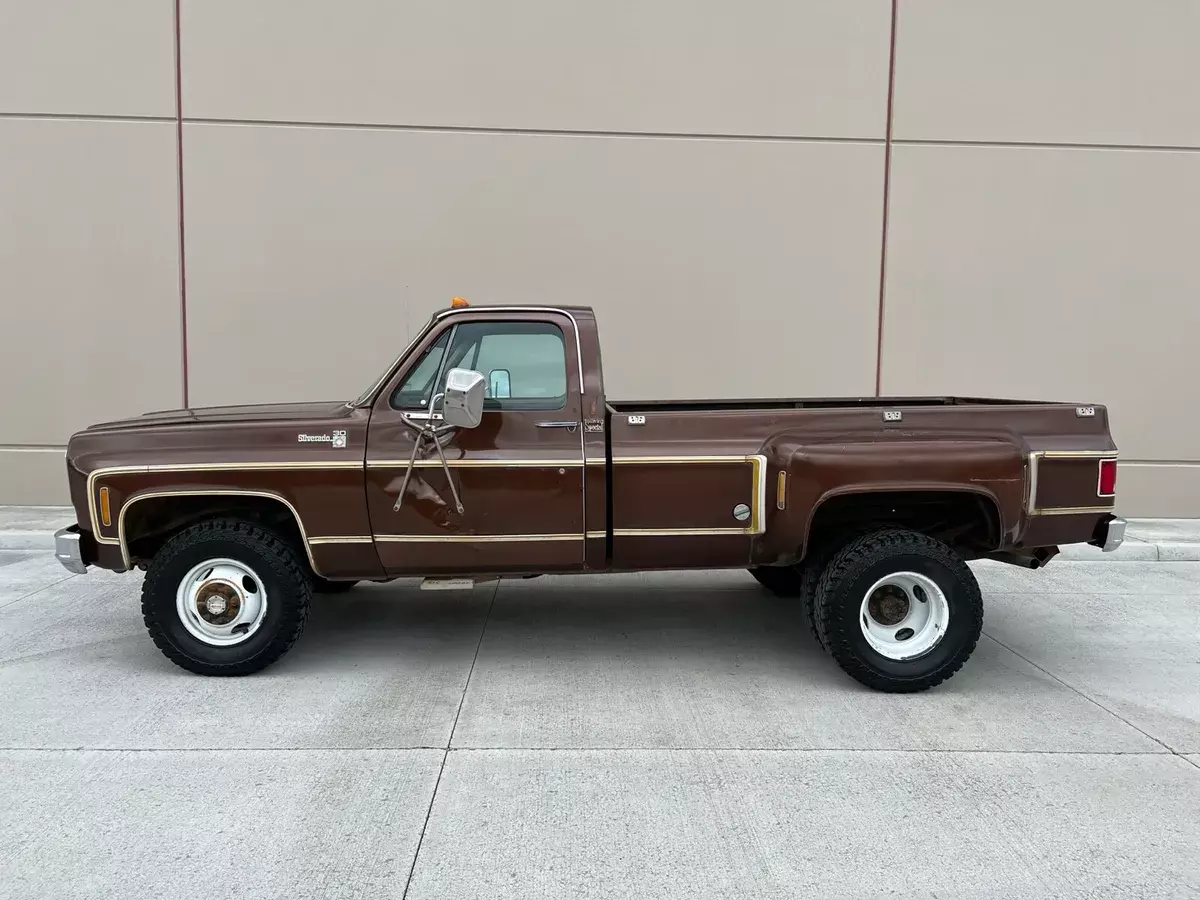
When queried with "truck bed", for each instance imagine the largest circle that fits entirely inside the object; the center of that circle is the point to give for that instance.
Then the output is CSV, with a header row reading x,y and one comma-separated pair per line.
x,y
739,479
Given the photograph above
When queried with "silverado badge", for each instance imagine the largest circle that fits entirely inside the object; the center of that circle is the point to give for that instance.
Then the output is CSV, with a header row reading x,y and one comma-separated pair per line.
x,y
337,440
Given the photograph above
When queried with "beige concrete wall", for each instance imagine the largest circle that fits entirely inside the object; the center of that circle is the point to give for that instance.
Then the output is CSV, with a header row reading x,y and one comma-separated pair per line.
x,y
343,262
1044,207
348,168
759,67
89,270
1048,71
77,57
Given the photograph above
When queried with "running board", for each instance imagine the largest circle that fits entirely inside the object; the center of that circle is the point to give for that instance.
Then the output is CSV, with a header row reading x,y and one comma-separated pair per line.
x,y
448,584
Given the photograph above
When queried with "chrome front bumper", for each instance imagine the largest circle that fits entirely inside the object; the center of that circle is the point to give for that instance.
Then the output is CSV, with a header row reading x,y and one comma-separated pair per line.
x,y
68,551
1112,534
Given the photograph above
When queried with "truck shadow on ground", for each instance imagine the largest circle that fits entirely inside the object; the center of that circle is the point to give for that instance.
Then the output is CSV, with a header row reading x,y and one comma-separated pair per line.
x,y
562,618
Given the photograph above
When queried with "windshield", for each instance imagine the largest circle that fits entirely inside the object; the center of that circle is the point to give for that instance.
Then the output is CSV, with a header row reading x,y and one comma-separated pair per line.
x,y
365,397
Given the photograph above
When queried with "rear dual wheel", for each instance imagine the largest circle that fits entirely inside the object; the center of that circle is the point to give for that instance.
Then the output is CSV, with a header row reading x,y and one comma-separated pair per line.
x,y
782,581
898,611
800,580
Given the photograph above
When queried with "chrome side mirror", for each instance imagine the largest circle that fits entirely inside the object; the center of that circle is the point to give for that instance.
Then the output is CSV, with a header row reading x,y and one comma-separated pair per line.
x,y
499,384
462,406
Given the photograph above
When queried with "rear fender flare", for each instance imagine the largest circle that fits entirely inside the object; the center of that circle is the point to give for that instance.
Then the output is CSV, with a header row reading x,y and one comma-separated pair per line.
x,y
863,489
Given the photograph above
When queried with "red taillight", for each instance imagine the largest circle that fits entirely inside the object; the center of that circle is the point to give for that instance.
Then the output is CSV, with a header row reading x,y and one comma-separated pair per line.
x,y
1107,484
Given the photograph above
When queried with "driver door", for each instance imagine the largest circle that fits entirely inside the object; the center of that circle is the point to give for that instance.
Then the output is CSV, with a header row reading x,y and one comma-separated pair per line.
x,y
519,474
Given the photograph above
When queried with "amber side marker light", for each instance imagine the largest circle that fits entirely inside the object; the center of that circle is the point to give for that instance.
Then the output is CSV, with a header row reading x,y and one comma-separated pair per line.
x,y
105,513
459,303
1106,482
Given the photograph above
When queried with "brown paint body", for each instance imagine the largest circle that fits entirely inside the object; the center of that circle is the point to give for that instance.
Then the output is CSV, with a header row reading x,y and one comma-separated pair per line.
x,y
611,493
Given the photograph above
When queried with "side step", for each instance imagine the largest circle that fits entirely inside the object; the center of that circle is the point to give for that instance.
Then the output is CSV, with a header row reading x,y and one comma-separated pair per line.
x,y
448,584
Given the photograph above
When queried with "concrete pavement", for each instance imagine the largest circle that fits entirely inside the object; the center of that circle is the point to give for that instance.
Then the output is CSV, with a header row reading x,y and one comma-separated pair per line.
x,y
643,736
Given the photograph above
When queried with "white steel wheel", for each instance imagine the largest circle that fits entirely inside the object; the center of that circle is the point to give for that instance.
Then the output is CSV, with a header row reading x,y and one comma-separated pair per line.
x,y
904,615
221,602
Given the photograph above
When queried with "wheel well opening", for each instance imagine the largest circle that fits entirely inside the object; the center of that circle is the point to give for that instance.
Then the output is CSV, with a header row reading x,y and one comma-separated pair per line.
x,y
967,521
150,523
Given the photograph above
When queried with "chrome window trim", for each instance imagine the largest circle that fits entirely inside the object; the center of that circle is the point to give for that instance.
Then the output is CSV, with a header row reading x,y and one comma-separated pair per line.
x,y
531,309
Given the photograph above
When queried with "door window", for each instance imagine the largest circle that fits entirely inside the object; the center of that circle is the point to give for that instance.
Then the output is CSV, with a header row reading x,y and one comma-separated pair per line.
x,y
416,390
524,364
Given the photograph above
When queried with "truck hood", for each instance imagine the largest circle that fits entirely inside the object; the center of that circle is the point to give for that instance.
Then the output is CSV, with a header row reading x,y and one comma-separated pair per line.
x,y
257,412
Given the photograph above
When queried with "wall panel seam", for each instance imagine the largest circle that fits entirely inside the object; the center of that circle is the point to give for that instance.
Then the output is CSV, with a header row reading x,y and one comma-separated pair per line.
x,y
1044,145
1163,463
183,333
548,132
85,117
887,180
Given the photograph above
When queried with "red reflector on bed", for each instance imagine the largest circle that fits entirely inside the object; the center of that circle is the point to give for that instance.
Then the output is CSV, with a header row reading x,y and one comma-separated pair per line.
x,y
1107,485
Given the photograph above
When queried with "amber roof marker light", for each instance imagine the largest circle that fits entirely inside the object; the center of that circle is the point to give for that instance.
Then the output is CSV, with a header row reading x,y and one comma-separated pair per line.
x,y
459,303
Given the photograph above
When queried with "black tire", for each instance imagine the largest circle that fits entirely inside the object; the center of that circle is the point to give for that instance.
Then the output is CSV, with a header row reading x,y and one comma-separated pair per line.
x,y
284,578
325,586
782,581
798,581
815,561
860,564
812,568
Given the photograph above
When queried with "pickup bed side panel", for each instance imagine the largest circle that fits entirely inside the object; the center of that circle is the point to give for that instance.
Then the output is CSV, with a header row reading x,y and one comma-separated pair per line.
x,y
681,511
688,489
819,472
675,469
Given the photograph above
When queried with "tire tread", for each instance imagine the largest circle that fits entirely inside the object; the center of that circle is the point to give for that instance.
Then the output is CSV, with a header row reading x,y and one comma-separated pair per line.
x,y
849,564
263,541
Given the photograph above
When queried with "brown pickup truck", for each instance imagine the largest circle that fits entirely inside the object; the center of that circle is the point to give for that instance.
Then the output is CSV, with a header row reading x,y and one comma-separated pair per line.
x,y
489,449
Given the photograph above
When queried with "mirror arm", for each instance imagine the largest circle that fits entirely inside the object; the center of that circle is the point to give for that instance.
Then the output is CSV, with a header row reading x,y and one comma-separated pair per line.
x,y
431,431
418,439
466,388
450,481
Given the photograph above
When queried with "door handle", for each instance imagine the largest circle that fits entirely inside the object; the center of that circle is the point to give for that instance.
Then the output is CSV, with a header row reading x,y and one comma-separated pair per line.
x,y
570,426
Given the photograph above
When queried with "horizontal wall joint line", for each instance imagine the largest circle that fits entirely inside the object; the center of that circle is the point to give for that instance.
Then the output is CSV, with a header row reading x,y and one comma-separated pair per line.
x,y
546,132
1044,145
1161,462
84,117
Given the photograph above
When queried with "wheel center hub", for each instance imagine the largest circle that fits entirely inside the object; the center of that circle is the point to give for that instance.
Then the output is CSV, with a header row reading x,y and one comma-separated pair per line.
x,y
888,605
218,602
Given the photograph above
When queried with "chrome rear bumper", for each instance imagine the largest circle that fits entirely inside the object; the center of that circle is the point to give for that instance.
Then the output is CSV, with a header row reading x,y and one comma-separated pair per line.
x,y
68,551
1112,534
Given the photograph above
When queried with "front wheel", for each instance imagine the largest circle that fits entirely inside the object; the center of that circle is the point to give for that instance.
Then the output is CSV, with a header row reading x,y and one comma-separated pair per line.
x,y
225,598
899,611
